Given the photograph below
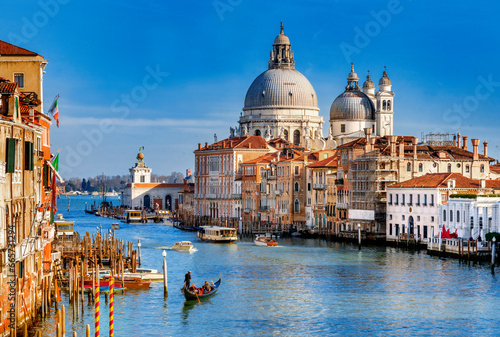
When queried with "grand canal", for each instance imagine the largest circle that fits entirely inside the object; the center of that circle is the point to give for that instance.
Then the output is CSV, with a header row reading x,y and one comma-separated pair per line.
x,y
301,288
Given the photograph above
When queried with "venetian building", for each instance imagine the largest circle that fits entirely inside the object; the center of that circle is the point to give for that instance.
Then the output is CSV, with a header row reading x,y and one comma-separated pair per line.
x,y
356,109
281,102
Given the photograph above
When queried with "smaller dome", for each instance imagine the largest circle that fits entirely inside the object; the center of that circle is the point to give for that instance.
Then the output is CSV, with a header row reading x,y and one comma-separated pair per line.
x,y
282,38
368,83
352,105
384,80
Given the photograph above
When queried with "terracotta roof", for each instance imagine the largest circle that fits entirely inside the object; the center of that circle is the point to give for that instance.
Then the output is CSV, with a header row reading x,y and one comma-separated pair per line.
x,y
382,145
157,185
440,180
253,142
8,87
265,159
495,168
10,49
327,162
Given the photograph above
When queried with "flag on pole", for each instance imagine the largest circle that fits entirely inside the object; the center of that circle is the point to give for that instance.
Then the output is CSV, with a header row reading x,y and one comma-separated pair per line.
x,y
55,166
54,110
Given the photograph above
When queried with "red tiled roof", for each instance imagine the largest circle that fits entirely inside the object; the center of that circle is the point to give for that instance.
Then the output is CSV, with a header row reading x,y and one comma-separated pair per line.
x,y
327,162
265,159
253,142
8,87
495,168
440,180
9,49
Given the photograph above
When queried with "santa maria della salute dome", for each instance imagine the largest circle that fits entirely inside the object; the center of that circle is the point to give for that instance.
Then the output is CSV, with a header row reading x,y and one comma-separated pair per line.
x,y
281,102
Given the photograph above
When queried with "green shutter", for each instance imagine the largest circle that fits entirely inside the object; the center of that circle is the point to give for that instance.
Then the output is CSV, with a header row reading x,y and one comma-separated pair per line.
x,y
11,155
28,156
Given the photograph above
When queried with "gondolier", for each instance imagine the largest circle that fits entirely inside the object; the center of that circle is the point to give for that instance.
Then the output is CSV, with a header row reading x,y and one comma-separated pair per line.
x,y
187,280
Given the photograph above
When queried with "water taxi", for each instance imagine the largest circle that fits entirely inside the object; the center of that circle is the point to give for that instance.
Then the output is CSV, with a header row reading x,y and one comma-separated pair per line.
x,y
217,234
132,216
184,246
265,242
64,229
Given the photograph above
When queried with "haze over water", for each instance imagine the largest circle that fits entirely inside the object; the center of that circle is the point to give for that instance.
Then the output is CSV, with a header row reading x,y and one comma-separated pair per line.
x,y
302,287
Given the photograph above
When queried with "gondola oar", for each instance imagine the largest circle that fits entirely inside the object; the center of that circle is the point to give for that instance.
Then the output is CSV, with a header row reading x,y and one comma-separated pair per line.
x,y
196,293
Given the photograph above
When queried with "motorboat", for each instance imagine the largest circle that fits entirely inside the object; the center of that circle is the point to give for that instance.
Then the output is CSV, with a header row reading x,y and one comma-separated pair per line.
x,y
183,246
115,225
265,242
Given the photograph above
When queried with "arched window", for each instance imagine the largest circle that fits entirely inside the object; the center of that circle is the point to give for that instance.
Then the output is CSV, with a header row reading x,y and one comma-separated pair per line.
x,y
467,168
420,167
285,134
296,137
296,188
384,105
296,206
389,105
458,216
408,167
449,167
444,215
451,215
257,132
482,168
168,202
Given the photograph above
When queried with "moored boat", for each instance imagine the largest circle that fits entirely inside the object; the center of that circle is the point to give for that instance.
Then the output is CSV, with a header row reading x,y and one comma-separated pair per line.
x,y
132,216
265,242
115,225
217,234
128,282
183,246
192,296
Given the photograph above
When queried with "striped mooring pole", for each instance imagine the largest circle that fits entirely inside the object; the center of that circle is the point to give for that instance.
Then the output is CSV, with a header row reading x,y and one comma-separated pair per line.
x,y
111,290
96,306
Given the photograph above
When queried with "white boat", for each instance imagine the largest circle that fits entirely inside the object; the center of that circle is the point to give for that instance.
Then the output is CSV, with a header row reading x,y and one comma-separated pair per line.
x,y
184,246
265,242
115,225
217,234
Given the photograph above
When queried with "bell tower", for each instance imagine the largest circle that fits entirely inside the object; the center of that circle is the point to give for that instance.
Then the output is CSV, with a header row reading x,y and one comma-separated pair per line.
x,y
140,173
384,108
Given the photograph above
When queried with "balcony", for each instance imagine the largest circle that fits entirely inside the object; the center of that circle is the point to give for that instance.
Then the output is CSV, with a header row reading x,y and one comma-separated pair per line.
x,y
236,196
264,208
247,210
277,192
319,186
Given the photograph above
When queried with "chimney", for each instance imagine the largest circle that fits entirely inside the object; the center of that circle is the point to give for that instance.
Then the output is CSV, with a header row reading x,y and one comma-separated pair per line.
x,y
249,145
206,144
279,156
32,114
392,139
465,143
454,140
402,149
199,146
485,148
372,143
415,142
368,133
475,145
458,139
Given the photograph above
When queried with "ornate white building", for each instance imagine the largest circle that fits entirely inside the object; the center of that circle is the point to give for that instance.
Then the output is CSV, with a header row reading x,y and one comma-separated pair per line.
x,y
281,102
355,109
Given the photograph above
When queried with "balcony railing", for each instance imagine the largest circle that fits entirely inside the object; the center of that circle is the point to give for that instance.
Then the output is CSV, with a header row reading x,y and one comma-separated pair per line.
x,y
247,210
319,186
264,208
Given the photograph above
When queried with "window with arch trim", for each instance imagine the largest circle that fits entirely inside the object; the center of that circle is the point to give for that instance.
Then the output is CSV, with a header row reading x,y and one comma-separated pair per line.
x,y
420,167
449,167
384,105
408,167
296,187
389,105
467,168
296,206
482,168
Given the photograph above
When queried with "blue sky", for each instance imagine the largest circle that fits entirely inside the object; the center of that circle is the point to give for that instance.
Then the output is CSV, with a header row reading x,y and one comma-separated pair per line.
x,y
168,75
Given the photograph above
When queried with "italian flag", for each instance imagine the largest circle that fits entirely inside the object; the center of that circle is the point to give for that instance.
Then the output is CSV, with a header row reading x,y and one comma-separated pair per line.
x,y
54,110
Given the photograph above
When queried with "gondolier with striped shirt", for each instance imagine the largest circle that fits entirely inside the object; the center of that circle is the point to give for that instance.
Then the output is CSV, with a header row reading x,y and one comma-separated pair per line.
x,y
187,280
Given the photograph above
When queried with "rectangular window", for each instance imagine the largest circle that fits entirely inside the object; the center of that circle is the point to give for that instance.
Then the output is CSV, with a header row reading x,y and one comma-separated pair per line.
x,y
396,202
402,199
432,219
390,229
143,179
46,175
418,199
467,168
425,199
390,199
425,232
410,202
28,156
342,128
19,79
432,199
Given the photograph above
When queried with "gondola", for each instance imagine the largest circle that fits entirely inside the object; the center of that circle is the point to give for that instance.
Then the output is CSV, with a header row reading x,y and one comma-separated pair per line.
x,y
193,297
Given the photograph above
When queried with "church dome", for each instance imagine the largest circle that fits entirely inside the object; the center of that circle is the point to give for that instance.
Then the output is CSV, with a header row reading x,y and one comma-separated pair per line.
x,y
281,88
384,80
368,83
282,39
352,105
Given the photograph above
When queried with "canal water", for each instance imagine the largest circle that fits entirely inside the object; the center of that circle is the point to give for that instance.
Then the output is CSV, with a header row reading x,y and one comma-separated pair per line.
x,y
300,288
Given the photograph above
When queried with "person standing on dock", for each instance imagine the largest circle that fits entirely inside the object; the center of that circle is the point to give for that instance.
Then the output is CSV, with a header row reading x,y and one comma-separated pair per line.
x,y
187,280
